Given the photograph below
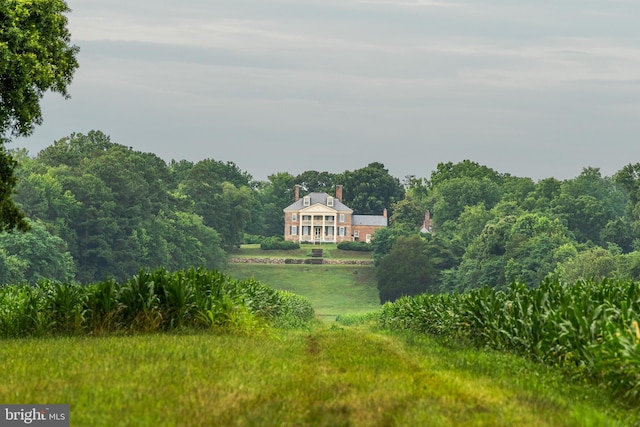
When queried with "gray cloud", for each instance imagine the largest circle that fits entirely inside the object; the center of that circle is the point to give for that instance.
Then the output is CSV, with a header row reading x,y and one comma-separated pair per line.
x,y
536,89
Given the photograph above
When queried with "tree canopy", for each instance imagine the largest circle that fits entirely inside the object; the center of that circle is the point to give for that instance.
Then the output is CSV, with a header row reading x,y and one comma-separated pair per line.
x,y
99,209
36,56
495,228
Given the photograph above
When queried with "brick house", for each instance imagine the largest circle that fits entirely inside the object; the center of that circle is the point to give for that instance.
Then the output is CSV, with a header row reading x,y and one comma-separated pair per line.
x,y
322,218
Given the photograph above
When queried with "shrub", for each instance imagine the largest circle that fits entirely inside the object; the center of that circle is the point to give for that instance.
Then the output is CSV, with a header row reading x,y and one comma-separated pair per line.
x,y
149,302
590,328
355,246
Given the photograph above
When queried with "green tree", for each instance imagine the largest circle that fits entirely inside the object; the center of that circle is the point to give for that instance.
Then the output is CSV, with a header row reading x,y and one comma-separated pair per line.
x,y
408,213
471,222
35,56
221,195
595,263
118,190
588,202
628,178
316,182
384,239
465,169
12,268
533,249
38,254
270,198
483,261
370,190
517,189
545,191
178,240
233,211
406,270
449,198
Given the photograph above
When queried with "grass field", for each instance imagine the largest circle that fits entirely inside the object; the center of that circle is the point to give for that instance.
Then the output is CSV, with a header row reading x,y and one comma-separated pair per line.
x,y
329,376
325,375
329,251
332,289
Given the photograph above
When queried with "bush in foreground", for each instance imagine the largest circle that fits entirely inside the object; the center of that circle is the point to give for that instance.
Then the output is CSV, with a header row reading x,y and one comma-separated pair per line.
x,y
589,328
148,302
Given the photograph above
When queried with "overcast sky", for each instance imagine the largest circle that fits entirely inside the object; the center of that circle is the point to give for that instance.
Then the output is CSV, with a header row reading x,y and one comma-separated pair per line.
x,y
532,88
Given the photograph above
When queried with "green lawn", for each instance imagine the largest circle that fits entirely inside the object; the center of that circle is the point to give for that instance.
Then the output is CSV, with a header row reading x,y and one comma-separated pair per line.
x,y
332,289
329,376
329,251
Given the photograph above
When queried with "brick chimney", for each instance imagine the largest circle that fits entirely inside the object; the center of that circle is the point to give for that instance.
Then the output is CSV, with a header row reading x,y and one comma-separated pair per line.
x,y
296,192
339,192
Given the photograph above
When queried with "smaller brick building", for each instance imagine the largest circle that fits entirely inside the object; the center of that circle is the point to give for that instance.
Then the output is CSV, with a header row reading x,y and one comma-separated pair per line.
x,y
322,218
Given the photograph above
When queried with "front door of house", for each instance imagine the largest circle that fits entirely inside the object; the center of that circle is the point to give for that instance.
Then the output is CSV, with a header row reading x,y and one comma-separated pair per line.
x,y
318,232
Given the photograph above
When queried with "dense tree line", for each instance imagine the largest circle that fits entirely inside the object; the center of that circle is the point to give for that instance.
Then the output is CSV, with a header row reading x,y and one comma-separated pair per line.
x,y
492,229
98,209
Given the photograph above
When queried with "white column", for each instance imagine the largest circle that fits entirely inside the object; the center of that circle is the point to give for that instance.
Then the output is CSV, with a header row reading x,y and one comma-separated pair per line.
x,y
324,226
312,231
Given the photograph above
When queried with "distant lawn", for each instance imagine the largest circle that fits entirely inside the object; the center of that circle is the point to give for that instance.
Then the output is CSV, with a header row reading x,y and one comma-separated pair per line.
x,y
329,251
332,289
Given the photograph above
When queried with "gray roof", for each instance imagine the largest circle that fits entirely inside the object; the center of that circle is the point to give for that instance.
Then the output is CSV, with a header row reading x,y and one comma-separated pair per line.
x,y
375,220
315,199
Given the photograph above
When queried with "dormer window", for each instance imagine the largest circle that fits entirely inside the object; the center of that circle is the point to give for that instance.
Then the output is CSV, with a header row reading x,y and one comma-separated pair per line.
x,y
329,201
306,201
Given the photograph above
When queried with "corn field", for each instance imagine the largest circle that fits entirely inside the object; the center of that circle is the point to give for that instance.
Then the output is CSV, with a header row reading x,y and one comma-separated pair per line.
x,y
591,329
148,302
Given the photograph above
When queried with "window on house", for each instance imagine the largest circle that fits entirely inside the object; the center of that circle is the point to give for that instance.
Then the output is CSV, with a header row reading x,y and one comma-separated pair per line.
x,y
306,217
294,230
342,218
294,217
306,230
356,234
329,231
368,238
341,231
329,201
306,201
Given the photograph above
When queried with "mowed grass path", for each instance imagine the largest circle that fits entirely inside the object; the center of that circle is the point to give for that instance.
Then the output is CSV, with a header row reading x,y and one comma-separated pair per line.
x,y
331,289
324,377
